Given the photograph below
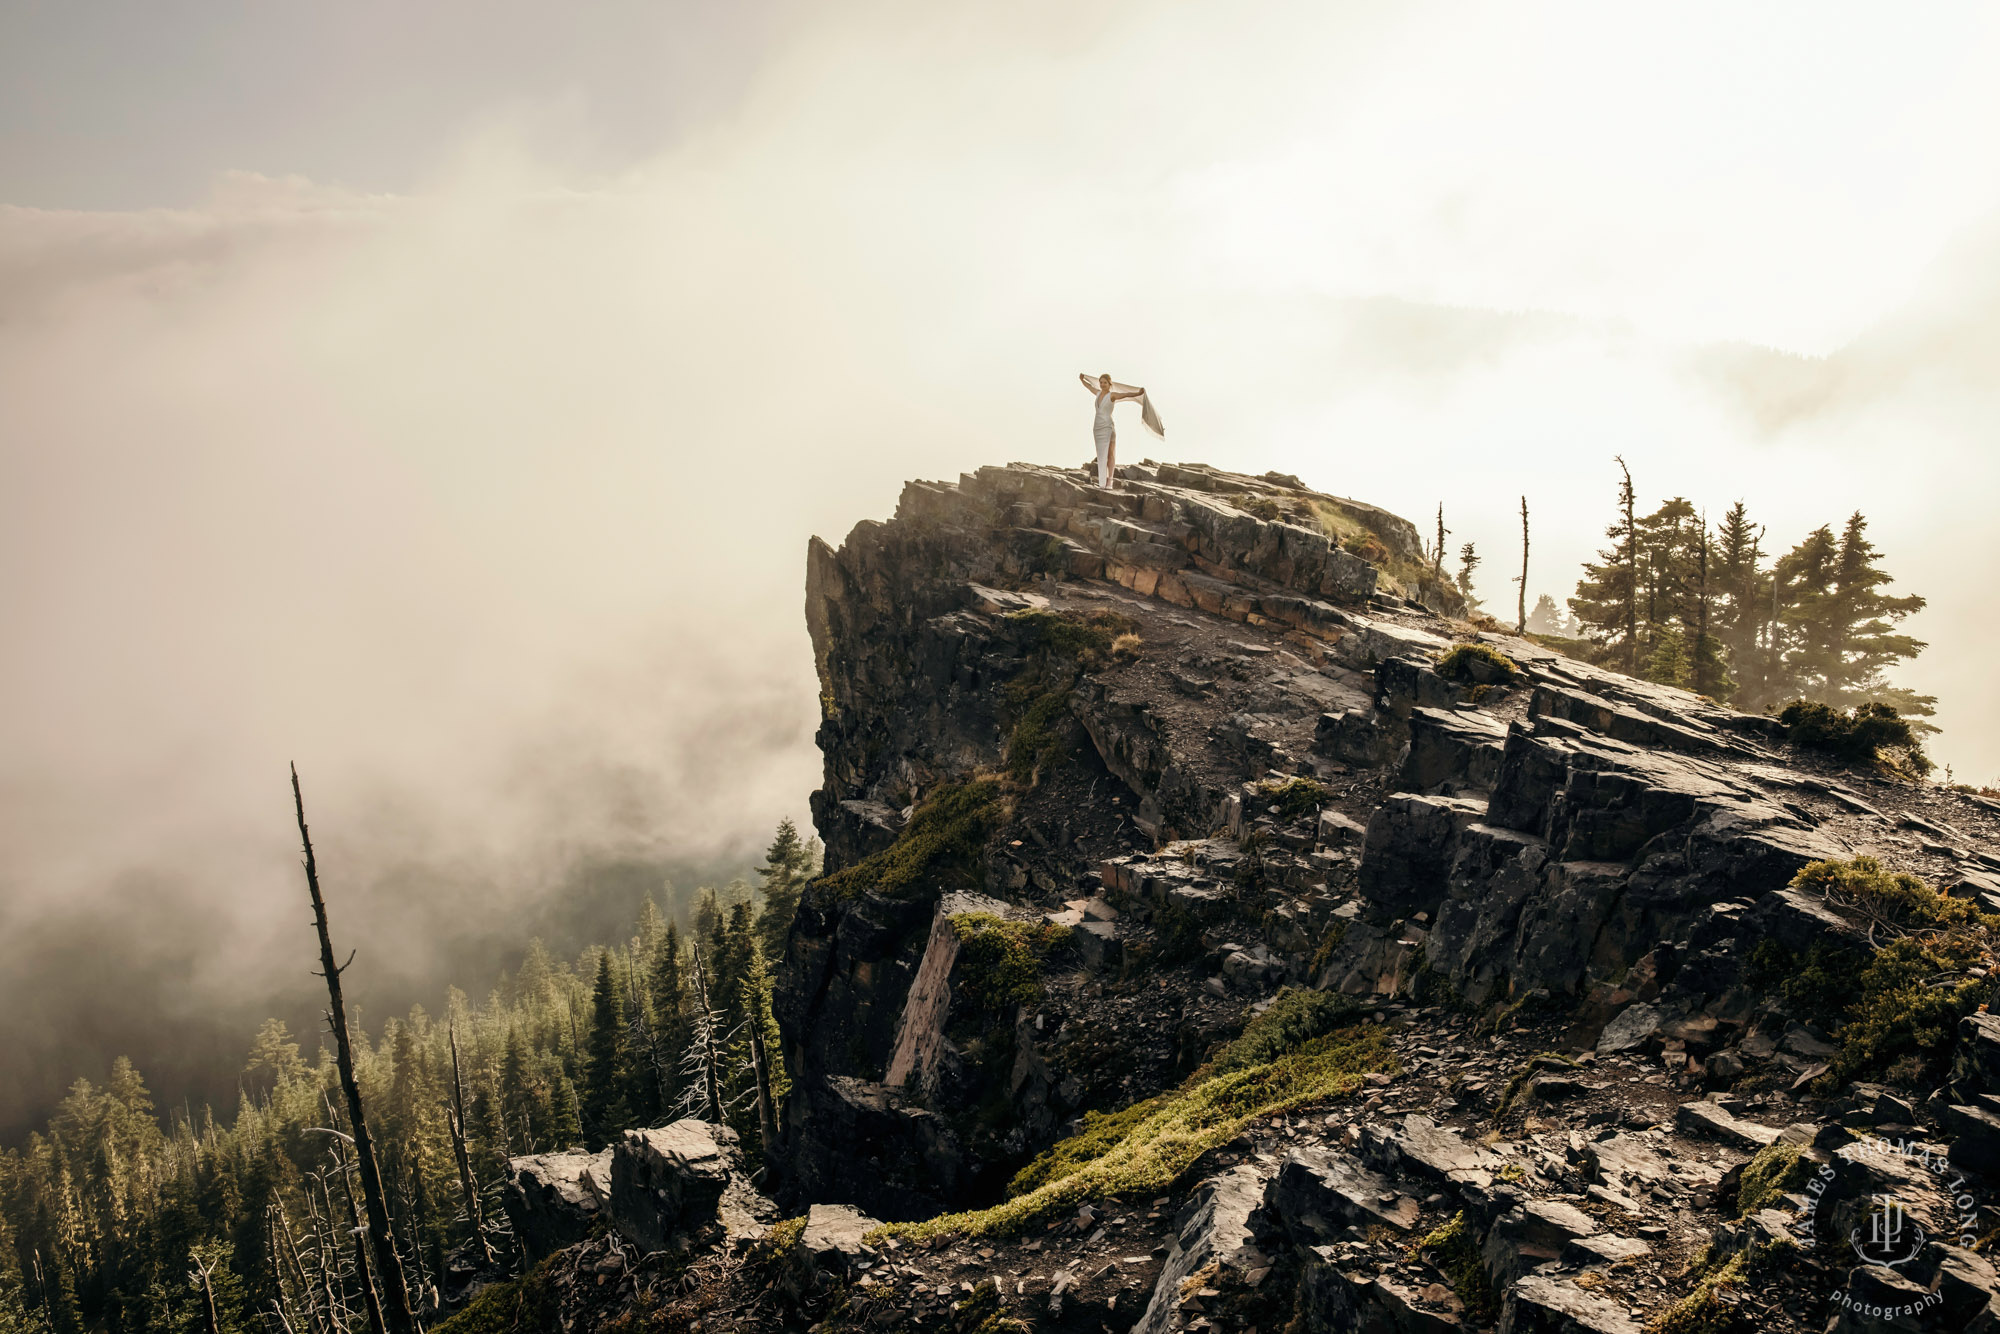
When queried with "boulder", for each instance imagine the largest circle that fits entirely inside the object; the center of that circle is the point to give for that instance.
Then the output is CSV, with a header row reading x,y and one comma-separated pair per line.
x,y
1319,1194
1422,1148
1976,1137
1532,1233
1976,1063
1214,1228
1715,1122
554,1199
1631,1027
1453,751
671,1180
1333,1300
833,1236
1601,1248
896,1161
1539,1304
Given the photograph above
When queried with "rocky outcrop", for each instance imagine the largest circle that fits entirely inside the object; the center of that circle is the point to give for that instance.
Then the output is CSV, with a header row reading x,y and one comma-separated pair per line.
x,y
669,1186
1213,1235
554,1199
1105,771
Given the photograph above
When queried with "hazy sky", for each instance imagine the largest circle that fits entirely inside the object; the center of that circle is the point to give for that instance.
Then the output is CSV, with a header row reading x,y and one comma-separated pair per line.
x,y
441,396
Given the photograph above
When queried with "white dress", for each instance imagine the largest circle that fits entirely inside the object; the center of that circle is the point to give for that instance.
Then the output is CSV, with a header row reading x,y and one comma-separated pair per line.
x,y
1101,429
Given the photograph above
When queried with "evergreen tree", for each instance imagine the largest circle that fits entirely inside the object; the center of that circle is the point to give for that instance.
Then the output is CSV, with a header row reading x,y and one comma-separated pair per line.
x,y
604,1109
1606,602
1742,608
1667,662
1546,618
1468,561
707,913
670,1012
788,864
1864,620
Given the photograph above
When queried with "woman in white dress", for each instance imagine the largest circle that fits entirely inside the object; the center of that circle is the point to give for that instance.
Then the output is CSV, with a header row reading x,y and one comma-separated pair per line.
x,y
1107,393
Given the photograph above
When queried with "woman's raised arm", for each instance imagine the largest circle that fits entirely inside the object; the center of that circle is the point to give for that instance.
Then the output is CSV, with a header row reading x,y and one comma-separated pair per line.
x,y
1088,383
1136,393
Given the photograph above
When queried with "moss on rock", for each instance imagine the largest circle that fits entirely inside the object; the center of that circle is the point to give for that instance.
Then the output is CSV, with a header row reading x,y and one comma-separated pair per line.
x,y
938,849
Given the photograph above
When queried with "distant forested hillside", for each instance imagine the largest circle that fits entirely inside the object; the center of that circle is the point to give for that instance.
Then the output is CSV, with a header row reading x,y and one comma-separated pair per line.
x,y
114,1217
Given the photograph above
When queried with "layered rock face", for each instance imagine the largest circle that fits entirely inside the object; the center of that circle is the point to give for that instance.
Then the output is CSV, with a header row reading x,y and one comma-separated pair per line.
x,y
1106,772
944,645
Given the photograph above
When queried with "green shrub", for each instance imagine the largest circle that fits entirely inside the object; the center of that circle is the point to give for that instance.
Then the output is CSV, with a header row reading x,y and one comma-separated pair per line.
x,y
1456,663
1859,737
1295,798
940,844
1895,896
1817,989
1068,635
1908,1011
1036,738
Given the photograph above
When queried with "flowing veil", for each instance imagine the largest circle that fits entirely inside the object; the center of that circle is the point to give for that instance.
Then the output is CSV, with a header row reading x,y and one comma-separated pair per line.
x,y
1146,411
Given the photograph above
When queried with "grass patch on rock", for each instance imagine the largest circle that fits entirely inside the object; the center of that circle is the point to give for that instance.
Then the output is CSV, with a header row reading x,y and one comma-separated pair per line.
x,y
1000,960
1144,1149
1067,635
1766,1177
1705,1310
940,844
1454,1249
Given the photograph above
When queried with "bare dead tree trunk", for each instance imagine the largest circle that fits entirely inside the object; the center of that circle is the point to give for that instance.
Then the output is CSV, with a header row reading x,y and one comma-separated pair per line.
x,y
199,1277
1437,553
1521,607
371,1300
326,1245
311,1300
388,1263
455,1115
709,1063
760,1064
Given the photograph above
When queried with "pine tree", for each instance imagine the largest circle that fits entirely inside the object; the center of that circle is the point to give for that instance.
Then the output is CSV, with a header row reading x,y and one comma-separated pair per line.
x,y
1468,561
1546,618
1606,602
1864,620
787,866
604,1110
1667,662
707,913
1742,606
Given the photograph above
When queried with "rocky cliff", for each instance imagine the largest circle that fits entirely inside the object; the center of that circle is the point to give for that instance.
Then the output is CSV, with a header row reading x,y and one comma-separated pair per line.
x,y
1219,934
